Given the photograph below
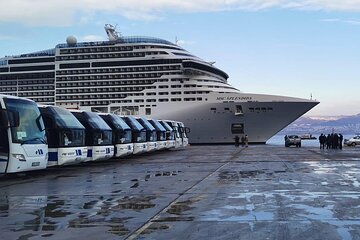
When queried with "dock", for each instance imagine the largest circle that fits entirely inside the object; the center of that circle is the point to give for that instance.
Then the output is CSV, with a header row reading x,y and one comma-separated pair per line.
x,y
201,192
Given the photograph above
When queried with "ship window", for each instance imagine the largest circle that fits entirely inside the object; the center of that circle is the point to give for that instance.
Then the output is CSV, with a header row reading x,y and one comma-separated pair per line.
x,y
147,111
213,109
270,109
226,109
251,109
238,110
237,128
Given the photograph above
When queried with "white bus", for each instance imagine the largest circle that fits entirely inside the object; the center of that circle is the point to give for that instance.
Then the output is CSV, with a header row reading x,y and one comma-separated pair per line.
x,y
170,134
65,135
177,134
183,132
23,144
152,144
138,134
98,135
122,135
160,133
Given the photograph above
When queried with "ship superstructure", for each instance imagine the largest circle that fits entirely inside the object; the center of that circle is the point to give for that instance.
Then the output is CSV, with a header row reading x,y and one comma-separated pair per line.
x,y
148,77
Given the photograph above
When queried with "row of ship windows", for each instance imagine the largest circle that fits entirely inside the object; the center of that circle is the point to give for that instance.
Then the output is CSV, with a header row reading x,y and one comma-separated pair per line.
x,y
119,70
117,96
110,55
26,91
99,90
26,76
117,76
95,49
41,99
85,97
110,49
36,94
44,87
26,82
104,83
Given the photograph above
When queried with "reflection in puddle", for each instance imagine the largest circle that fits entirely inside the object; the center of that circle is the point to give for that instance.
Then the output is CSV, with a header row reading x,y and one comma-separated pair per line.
x,y
40,214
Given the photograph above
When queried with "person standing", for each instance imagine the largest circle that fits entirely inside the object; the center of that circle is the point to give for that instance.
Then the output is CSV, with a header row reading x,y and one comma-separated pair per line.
x,y
341,138
246,140
322,140
237,141
242,141
328,141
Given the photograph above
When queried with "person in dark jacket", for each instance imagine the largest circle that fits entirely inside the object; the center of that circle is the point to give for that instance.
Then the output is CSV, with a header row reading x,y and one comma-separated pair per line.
x,y
341,138
237,141
322,141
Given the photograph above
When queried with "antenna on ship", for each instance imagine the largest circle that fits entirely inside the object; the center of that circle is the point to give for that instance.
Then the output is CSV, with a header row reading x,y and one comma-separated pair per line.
x,y
113,35
176,40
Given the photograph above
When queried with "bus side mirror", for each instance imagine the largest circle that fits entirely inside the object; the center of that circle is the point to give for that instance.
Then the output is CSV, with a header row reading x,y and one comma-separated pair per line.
x,y
40,124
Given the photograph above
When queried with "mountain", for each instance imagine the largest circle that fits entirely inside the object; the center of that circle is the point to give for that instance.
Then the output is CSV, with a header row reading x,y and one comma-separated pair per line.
x,y
325,124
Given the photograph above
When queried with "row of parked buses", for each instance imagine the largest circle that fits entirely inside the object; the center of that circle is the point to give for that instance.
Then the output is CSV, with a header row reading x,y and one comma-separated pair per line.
x,y
36,137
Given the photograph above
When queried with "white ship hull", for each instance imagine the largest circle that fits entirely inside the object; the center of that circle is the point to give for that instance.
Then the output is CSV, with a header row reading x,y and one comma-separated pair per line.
x,y
148,77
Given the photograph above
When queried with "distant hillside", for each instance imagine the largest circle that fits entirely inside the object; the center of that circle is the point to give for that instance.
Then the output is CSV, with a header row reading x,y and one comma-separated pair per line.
x,y
316,125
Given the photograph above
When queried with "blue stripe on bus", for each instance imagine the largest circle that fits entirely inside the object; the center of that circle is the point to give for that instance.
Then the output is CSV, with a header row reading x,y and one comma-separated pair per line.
x,y
53,156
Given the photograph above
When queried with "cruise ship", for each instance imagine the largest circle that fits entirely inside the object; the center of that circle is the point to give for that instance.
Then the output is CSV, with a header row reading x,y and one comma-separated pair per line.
x,y
149,77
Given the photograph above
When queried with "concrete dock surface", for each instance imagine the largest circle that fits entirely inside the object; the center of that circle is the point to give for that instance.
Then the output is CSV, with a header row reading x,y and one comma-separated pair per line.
x,y
202,192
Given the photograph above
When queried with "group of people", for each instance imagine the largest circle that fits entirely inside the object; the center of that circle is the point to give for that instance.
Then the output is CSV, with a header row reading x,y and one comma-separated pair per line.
x,y
244,141
331,141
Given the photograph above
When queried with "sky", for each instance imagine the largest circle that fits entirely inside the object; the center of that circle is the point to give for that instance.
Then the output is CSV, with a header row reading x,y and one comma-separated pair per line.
x,y
299,48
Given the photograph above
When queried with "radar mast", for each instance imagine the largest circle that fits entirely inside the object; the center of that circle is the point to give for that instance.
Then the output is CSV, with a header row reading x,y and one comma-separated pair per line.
x,y
113,35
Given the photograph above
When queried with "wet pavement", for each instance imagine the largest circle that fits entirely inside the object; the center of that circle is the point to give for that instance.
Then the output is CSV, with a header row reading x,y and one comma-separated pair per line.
x,y
202,192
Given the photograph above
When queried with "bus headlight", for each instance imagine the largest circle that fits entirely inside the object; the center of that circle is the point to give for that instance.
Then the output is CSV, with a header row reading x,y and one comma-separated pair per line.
x,y
20,157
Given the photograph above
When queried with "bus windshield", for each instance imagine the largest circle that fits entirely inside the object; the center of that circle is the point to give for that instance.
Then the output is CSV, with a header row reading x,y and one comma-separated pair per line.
x,y
147,125
96,121
65,119
135,124
119,122
31,126
157,125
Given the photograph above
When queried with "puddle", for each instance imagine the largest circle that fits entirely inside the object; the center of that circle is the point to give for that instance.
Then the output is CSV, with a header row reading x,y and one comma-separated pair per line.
x,y
155,226
236,176
175,219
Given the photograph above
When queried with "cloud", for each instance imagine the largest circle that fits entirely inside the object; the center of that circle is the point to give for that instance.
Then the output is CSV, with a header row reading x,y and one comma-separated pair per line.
x,y
337,20
6,37
68,12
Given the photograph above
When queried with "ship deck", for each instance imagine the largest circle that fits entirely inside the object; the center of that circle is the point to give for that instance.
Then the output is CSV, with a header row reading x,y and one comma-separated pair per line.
x,y
202,192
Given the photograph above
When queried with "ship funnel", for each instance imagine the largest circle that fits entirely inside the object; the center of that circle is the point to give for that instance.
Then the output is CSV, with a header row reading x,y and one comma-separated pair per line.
x,y
113,35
